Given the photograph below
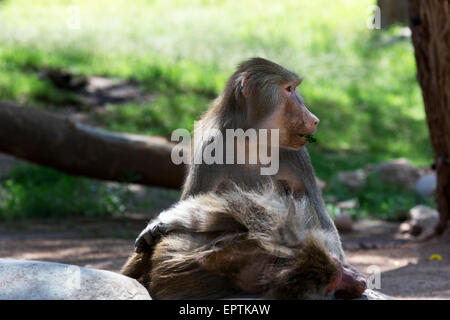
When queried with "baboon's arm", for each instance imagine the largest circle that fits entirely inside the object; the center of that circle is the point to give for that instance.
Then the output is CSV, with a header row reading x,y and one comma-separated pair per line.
x,y
204,214
304,170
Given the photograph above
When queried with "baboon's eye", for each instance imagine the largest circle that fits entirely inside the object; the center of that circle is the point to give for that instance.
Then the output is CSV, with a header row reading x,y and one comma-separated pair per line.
x,y
289,89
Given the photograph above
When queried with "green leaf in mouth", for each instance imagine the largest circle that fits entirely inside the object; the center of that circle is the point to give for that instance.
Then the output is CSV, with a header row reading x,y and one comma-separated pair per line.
x,y
310,138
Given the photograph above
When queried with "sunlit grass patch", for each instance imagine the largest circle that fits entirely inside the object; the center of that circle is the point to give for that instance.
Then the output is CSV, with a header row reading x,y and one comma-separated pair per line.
x,y
157,118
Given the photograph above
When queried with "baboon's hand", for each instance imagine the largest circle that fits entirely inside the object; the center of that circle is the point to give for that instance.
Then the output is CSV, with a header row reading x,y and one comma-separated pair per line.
x,y
150,235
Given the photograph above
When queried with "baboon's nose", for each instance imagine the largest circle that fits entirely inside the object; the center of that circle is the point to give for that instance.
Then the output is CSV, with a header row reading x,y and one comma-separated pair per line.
x,y
313,122
316,122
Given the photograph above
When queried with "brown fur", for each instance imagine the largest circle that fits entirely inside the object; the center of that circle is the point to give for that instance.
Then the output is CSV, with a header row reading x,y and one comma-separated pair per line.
x,y
255,97
272,253
222,245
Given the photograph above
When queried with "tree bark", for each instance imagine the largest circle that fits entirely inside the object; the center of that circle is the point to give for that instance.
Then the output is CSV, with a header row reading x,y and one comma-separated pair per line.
x,y
430,25
393,11
72,147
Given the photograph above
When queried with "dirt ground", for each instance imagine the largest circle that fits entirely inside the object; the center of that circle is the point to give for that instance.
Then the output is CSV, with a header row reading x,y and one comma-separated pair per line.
x,y
406,271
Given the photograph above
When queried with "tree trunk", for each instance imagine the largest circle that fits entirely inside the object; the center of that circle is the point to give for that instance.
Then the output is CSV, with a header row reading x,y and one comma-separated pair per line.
x,y
69,146
430,24
393,11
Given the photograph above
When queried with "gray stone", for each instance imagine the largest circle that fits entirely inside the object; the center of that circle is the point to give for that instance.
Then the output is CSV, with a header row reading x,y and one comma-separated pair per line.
x,y
399,171
405,227
35,280
370,294
343,222
424,217
426,185
348,204
353,179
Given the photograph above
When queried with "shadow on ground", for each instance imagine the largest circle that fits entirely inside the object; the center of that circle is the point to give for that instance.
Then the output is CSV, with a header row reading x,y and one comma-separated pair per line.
x,y
406,271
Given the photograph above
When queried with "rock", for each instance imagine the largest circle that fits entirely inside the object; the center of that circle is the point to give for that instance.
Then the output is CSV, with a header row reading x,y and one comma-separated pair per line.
x,y
353,179
348,204
406,230
405,227
343,222
424,217
416,230
370,294
426,185
399,171
35,280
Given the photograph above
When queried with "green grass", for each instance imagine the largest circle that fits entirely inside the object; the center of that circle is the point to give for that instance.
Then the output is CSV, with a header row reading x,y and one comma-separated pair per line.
x,y
376,199
160,117
32,191
364,91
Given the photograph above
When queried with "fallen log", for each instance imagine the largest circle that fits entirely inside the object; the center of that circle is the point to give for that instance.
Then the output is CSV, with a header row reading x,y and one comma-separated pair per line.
x,y
69,146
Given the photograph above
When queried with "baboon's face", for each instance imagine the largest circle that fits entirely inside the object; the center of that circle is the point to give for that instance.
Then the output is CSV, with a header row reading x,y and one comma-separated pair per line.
x,y
291,117
295,118
273,102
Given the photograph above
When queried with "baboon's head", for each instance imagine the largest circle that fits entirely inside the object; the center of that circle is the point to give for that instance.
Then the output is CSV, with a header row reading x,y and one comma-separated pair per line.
x,y
266,96
311,274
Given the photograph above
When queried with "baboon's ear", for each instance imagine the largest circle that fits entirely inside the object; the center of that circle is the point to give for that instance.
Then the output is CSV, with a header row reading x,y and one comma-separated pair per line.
x,y
243,83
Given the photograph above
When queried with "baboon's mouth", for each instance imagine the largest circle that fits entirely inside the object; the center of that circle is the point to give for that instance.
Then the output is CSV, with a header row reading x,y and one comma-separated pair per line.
x,y
309,137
